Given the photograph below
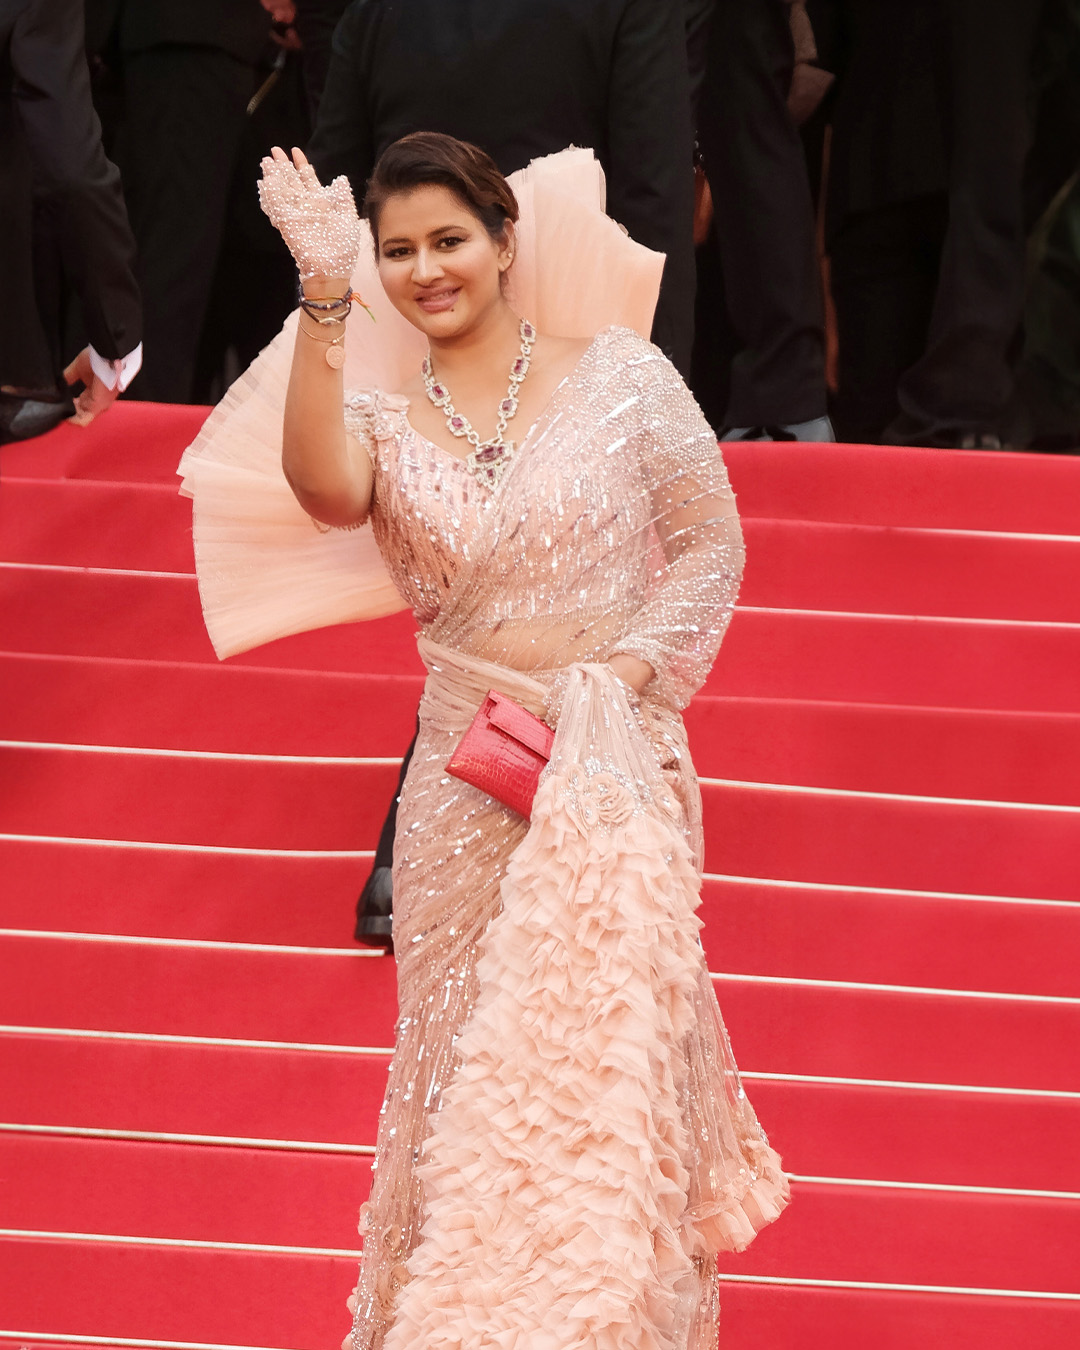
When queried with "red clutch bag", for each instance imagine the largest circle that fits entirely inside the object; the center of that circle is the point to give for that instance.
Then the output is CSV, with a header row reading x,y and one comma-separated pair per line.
x,y
504,752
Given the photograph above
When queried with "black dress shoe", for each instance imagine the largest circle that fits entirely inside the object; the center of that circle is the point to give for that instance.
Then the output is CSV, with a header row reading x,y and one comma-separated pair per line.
x,y
375,910
23,418
817,429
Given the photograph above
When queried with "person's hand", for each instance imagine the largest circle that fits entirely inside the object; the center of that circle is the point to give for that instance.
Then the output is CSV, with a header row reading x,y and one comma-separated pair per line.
x,y
283,20
631,671
281,11
319,224
96,397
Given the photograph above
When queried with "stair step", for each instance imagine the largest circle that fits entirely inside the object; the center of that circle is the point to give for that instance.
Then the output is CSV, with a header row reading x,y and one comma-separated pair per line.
x,y
919,1237
136,443
296,1303
751,829
200,1194
911,938
215,1297
776,1025
951,752
186,706
753,927
887,485
170,892
947,1136
191,1088
791,563
922,844
768,654
891,570
828,1234
286,804
183,1191
774,1315
898,485
943,752
84,523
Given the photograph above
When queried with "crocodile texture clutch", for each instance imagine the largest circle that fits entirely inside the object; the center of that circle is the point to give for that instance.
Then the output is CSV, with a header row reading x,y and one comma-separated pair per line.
x,y
504,752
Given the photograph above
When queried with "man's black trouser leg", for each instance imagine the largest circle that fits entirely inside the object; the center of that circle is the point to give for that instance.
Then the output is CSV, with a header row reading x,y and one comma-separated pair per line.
x,y
756,167
374,909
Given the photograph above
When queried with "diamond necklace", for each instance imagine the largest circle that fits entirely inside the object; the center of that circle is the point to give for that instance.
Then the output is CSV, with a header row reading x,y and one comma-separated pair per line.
x,y
488,459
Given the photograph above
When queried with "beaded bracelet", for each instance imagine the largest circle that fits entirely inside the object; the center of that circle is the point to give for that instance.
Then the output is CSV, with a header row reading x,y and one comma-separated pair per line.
x,y
337,315
340,304
328,302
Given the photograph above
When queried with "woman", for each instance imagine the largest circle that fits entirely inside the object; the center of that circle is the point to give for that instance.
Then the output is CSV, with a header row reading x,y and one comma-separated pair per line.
x,y
564,1144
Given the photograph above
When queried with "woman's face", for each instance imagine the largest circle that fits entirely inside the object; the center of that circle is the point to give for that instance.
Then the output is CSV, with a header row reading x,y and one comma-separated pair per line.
x,y
437,263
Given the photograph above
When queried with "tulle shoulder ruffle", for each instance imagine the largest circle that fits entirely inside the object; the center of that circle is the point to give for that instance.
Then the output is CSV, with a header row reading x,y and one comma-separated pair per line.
x,y
264,569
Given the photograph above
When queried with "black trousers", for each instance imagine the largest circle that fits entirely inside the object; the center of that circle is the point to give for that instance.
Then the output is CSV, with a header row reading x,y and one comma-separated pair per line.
x,y
962,381
884,275
185,119
764,216
28,355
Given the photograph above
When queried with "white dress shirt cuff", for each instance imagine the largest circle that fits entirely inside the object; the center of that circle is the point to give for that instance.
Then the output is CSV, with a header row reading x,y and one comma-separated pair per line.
x,y
119,372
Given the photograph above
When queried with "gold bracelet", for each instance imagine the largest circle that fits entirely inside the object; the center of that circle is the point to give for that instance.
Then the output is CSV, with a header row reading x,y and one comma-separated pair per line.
x,y
335,350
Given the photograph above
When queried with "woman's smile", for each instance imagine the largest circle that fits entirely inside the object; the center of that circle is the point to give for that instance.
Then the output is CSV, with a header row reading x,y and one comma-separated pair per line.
x,y
436,299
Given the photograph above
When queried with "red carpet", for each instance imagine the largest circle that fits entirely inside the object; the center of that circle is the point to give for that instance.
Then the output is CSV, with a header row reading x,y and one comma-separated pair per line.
x,y
192,1054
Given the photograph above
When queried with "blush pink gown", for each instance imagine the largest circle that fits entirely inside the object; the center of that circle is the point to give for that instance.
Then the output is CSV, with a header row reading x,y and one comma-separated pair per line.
x,y
565,1144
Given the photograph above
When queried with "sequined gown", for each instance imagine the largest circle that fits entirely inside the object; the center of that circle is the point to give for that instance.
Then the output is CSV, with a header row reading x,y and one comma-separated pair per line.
x,y
614,529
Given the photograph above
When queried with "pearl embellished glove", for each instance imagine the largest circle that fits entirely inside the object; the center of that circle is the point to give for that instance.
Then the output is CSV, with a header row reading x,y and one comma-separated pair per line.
x,y
319,224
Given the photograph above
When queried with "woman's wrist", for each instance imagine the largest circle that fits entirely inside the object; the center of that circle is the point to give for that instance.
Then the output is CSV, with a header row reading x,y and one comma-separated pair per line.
x,y
323,288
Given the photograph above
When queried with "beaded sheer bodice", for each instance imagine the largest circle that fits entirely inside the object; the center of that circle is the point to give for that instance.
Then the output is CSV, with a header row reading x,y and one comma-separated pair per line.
x,y
614,528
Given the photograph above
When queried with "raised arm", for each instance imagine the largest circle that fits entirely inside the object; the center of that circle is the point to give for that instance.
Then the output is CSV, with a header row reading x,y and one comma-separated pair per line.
x,y
327,468
679,629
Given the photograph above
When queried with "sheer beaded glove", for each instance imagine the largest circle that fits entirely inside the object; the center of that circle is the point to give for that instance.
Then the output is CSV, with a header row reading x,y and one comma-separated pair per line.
x,y
319,224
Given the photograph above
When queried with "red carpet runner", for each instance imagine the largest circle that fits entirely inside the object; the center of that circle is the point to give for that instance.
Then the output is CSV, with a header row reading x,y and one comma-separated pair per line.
x,y
192,1053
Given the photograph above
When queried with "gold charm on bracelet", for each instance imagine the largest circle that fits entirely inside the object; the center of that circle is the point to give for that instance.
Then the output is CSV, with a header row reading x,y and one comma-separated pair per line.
x,y
335,356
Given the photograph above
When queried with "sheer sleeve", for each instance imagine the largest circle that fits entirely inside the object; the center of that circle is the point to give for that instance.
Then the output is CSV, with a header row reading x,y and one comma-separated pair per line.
x,y
361,409
698,543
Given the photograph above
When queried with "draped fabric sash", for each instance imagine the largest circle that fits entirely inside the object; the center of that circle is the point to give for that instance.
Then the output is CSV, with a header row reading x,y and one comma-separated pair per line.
x,y
594,1150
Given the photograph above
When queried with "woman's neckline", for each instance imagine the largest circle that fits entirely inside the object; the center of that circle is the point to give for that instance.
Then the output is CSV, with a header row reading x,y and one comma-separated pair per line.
x,y
570,375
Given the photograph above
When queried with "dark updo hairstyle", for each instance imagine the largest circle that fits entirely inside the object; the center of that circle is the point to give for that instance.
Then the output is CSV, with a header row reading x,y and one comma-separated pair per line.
x,y
427,158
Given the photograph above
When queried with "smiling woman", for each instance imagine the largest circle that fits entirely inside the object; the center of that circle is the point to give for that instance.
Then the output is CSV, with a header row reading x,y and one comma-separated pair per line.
x,y
565,1145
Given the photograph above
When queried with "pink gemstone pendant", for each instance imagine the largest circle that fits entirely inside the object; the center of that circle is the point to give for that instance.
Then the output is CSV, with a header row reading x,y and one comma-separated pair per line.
x,y
488,461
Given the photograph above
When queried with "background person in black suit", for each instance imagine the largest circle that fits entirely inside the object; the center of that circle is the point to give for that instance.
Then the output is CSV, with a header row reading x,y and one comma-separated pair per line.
x,y
65,225
887,203
525,78
762,258
956,393
189,69
926,214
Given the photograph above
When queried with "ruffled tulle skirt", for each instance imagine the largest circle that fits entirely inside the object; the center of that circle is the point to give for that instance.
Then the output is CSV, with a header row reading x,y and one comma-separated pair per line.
x,y
565,1145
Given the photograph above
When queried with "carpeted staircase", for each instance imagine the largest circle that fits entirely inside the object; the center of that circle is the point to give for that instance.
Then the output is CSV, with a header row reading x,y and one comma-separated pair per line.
x,y
192,1052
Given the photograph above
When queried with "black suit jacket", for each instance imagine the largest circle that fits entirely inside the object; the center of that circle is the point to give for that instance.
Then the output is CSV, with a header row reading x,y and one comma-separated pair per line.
x,y
79,215
239,27
525,78
889,104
